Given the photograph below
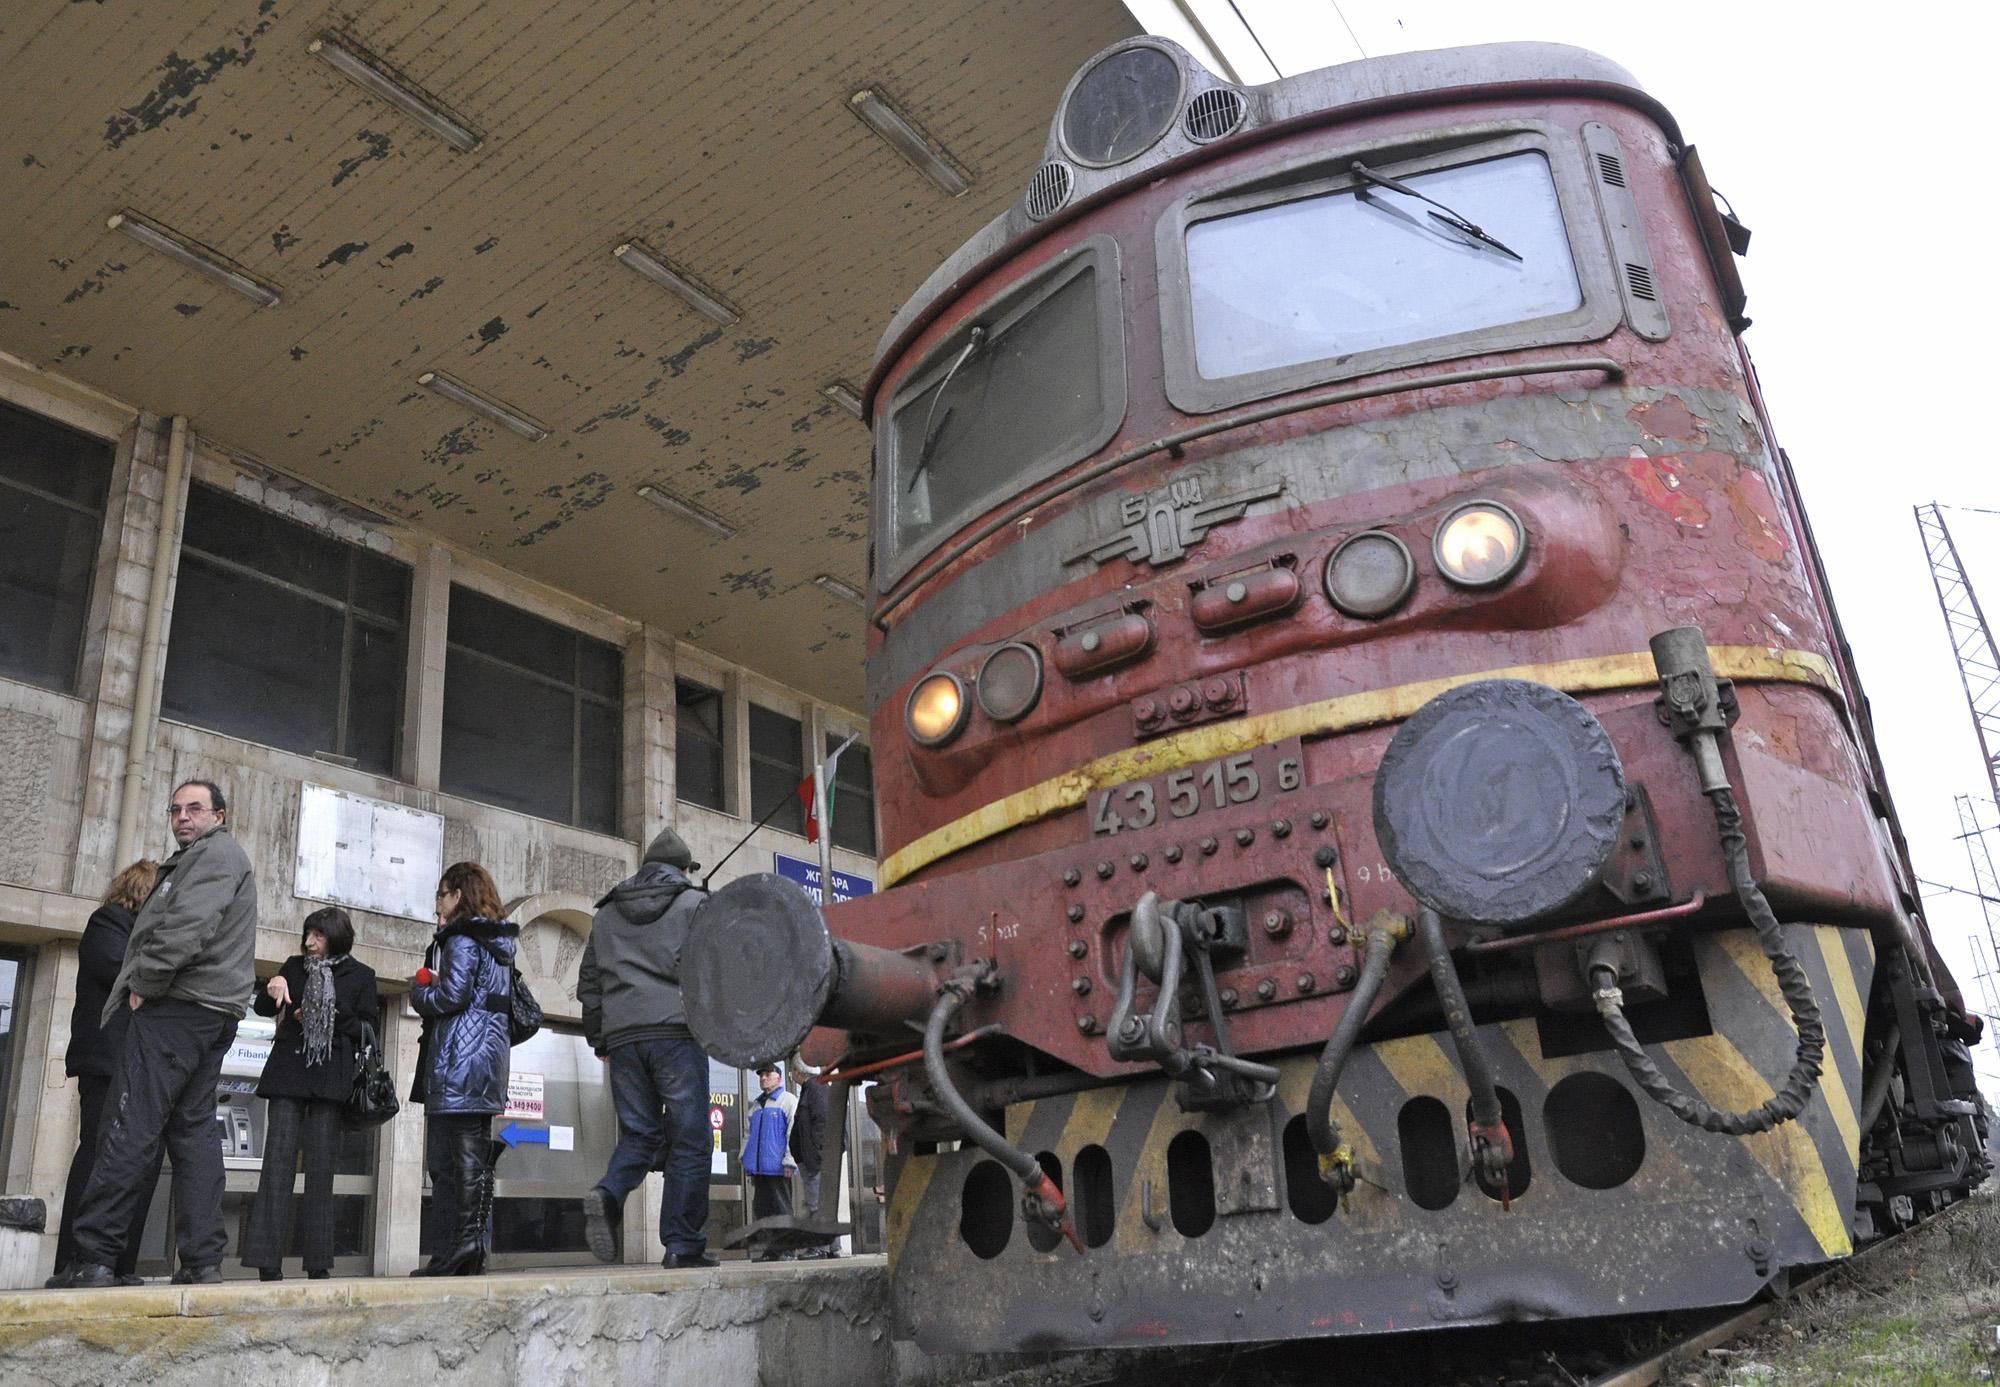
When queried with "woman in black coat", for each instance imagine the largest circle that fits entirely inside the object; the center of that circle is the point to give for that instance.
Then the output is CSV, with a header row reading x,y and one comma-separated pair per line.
x,y
324,999
93,1054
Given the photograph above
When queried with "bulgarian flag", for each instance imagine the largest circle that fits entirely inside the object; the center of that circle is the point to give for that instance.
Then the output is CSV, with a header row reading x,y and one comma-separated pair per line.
x,y
817,790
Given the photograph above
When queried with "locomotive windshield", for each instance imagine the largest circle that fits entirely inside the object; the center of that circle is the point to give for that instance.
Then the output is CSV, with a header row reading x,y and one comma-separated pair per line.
x,y
1032,385
1384,263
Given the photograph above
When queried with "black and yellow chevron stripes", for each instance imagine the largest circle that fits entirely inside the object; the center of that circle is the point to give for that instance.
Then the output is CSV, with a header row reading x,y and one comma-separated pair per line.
x,y
1706,1194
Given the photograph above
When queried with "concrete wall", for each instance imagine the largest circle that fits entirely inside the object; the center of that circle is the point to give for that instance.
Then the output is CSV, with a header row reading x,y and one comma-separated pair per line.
x,y
62,783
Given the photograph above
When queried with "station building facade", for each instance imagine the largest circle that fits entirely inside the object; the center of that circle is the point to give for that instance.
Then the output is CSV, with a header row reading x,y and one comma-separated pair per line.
x,y
375,704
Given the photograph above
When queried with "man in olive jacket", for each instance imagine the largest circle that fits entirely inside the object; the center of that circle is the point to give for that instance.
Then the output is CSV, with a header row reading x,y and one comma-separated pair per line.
x,y
190,966
629,988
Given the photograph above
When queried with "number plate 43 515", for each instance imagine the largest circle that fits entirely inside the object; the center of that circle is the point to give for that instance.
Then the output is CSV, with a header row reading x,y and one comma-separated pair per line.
x,y
1197,790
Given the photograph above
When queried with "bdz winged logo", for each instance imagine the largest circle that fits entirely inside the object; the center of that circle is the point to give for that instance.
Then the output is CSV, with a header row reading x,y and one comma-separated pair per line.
x,y
1163,525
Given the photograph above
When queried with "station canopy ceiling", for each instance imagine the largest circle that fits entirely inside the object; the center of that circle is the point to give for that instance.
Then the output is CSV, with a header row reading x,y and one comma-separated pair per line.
x,y
718,136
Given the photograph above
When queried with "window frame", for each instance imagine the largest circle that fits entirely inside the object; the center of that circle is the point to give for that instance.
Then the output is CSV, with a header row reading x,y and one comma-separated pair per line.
x,y
799,768
1099,253
351,612
579,695
1321,173
722,740
71,679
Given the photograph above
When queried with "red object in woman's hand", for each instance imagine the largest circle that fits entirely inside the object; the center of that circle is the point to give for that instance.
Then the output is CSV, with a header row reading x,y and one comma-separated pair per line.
x,y
425,977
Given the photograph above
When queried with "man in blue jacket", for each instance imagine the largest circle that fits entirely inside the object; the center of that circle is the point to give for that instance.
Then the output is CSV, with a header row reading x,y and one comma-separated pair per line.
x,y
629,989
767,1155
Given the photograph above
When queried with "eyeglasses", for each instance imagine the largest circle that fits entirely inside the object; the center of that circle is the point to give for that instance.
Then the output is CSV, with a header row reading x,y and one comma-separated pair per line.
x,y
187,811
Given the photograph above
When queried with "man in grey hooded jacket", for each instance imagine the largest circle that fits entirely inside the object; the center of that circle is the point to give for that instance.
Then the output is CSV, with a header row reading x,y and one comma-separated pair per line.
x,y
629,989
190,966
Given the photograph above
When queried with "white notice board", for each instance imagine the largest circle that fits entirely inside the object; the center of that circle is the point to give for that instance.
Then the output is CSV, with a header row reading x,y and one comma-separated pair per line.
x,y
368,853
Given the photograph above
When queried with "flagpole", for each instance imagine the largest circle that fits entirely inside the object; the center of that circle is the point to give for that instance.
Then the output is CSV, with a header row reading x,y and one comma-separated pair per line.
x,y
823,810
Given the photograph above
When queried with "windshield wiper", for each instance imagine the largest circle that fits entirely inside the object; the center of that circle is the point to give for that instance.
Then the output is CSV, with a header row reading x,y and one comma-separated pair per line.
x,y
1443,214
933,426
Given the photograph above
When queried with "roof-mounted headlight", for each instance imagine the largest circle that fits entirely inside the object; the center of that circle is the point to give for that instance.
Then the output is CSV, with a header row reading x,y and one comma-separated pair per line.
x,y
1121,105
1480,545
937,709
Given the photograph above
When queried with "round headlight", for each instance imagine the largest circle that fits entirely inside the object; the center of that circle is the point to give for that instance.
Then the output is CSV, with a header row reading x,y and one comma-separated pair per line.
x,y
1480,544
1370,575
1010,682
936,711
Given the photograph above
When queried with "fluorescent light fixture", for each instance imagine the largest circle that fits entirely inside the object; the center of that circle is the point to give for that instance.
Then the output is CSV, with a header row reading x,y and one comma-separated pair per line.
x,y
844,395
368,74
846,592
879,114
687,289
195,256
503,415
689,511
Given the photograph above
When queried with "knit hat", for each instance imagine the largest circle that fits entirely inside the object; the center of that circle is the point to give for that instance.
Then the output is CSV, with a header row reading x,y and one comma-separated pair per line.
x,y
669,848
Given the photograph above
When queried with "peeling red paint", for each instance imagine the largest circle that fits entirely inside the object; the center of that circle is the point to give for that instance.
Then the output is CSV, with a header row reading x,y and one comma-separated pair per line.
x,y
1756,512
1668,418
1661,485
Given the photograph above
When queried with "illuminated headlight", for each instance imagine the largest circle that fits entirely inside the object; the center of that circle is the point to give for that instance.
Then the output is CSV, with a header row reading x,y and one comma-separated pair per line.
x,y
937,709
1010,682
1370,575
1480,544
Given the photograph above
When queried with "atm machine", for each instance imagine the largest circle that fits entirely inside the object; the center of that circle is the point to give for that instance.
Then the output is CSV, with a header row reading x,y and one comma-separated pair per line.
x,y
239,1114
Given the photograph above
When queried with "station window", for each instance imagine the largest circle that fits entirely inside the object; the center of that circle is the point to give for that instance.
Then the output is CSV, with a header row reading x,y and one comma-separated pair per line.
x,y
285,636
53,482
533,714
853,798
699,746
776,752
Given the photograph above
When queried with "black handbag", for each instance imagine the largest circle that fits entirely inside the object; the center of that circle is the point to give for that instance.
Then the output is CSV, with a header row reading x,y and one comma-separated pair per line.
x,y
372,1101
524,1013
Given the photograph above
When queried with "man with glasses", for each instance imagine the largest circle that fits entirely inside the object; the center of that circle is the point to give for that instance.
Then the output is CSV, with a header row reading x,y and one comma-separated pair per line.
x,y
190,966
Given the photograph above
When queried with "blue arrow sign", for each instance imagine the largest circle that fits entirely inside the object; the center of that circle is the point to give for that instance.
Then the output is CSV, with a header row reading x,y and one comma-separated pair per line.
x,y
514,1134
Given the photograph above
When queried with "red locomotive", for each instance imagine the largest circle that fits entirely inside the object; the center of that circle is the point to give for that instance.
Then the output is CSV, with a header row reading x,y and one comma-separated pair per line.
x,y
1383,827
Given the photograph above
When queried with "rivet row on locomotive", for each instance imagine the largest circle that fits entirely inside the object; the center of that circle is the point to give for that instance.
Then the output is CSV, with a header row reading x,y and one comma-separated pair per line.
x,y
1346,832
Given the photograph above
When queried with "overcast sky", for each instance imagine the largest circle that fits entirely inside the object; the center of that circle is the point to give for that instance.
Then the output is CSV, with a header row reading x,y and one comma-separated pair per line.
x,y
1854,148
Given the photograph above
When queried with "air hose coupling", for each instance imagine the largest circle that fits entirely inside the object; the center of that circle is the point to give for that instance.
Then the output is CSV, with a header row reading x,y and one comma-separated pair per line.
x,y
1042,1202
1693,705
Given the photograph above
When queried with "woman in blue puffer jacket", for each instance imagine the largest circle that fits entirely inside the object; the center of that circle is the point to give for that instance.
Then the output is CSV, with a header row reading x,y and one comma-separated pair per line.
x,y
463,993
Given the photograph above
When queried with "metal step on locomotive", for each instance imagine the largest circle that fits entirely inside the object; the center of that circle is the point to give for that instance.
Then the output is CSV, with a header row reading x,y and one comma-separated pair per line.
x,y
1384,831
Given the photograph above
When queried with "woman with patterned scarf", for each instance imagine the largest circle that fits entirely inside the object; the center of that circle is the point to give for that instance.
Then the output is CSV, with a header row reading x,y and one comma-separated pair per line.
x,y
324,999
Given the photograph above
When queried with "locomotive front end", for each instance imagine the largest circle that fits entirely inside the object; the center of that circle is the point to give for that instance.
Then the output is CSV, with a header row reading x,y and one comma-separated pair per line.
x,y
1381,829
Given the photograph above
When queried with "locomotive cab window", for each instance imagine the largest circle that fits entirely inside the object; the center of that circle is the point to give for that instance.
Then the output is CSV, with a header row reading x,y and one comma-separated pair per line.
x,y
1026,387
1377,259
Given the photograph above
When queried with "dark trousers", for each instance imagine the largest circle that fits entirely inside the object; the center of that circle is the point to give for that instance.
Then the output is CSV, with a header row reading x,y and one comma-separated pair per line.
x,y
313,1125
659,1090
442,1134
164,1093
92,1090
770,1194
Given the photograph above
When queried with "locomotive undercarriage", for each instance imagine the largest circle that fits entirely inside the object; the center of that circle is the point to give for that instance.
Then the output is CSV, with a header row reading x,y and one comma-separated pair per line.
x,y
1215,1225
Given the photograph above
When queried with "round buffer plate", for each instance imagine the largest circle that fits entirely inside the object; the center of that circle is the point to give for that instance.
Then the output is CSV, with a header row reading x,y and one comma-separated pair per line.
x,y
1499,802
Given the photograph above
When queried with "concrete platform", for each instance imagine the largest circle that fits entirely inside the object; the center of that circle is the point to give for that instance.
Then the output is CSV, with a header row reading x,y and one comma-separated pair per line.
x,y
819,1323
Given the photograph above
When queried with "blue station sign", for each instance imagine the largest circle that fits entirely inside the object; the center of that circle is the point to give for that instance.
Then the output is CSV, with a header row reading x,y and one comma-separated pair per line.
x,y
846,886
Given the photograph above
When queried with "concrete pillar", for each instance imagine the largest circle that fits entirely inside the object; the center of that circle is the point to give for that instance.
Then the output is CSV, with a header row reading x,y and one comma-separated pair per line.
x,y
646,799
423,678
125,570
642,1223
42,1126
399,1153
736,747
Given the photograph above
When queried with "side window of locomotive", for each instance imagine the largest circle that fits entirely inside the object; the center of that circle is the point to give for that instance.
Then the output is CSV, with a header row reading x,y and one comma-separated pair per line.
x,y
1372,267
1026,388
